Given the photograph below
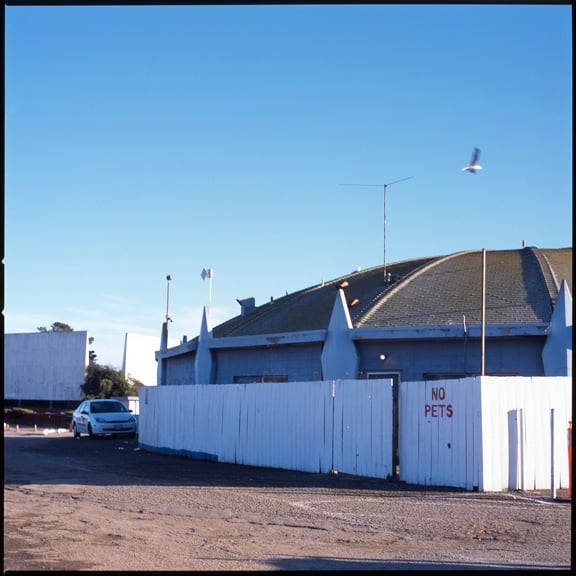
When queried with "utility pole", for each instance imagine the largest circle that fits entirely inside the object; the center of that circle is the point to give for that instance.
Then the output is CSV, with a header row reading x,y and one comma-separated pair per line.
x,y
483,336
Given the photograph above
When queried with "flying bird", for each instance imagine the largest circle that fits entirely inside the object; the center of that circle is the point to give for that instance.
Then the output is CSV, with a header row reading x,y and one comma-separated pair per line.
x,y
473,166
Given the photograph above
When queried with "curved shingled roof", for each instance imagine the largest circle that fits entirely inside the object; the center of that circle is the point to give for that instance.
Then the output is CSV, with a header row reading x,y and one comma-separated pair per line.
x,y
521,287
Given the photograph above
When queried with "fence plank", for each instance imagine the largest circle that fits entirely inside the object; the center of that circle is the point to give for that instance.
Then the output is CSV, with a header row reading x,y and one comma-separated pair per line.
x,y
302,426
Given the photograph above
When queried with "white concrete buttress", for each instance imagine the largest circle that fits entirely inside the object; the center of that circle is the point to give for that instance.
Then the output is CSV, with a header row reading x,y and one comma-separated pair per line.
x,y
339,355
203,362
557,351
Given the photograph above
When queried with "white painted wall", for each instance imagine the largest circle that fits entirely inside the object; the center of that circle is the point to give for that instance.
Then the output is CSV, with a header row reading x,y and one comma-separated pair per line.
x,y
45,365
139,358
485,433
307,426
131,403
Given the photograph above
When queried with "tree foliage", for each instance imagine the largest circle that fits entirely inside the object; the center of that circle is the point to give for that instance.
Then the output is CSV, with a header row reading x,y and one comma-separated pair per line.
x,y
92,356
107,382
56,327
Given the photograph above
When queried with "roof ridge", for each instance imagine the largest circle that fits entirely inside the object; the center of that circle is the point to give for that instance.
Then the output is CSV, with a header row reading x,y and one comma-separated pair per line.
x,y
548,273
364,310
402,283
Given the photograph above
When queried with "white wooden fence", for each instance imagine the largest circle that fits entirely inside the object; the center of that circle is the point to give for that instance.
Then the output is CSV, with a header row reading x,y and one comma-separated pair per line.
x,y
308,426
487,434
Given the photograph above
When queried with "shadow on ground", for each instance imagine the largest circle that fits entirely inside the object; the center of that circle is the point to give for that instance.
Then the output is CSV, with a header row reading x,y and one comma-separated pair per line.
x,y
353,565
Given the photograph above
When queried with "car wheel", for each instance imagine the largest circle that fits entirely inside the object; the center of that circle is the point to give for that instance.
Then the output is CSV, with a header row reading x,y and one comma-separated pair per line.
x,y
91,432
75,430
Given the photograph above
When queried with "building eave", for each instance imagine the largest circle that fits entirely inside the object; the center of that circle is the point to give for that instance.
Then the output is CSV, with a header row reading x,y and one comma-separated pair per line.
x,y
449,331
362,334
254,341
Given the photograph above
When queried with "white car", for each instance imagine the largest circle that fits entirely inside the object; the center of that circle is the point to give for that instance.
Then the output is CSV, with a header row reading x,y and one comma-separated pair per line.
x,y
97,417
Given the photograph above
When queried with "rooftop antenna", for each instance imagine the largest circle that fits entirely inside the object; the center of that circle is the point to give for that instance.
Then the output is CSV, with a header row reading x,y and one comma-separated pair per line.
x,y
385,186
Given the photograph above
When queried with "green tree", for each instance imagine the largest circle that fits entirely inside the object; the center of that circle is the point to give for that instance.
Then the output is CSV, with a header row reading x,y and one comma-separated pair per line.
x,y
91,354
56,327
107,382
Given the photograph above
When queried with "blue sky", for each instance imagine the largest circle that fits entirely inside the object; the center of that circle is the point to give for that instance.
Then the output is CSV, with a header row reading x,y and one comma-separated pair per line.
x,y
143,141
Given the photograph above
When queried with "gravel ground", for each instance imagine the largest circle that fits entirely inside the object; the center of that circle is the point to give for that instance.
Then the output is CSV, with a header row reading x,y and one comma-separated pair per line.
x,y
107,505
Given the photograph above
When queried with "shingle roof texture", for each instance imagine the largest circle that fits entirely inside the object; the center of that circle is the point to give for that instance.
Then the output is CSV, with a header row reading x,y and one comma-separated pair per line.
x,y
521,287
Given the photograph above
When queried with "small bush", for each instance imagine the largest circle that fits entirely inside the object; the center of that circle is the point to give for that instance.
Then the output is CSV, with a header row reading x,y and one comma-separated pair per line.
x,y
18,412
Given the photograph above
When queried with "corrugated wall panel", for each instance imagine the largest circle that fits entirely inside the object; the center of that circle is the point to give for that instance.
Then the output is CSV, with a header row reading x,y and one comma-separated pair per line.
x,y
535,398
287,425
283,426
302,426
45,366
438,431
363,427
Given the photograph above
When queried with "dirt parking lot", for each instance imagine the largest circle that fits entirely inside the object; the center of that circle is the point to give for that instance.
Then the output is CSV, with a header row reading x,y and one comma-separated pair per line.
x,y
105,504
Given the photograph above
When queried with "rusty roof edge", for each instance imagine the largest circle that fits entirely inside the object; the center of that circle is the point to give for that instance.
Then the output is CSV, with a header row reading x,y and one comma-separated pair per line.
x,y
238,322
272,339
449,331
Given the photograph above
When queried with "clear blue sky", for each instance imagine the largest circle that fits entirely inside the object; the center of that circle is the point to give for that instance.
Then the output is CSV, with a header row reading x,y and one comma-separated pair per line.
x,y
143,141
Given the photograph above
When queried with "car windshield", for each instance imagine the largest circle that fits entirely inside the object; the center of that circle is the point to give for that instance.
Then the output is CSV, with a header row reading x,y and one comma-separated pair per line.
x,y
100,407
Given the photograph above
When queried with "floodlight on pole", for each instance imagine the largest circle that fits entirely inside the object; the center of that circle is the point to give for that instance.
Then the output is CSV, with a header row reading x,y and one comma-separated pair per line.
x,y
385,186
168,319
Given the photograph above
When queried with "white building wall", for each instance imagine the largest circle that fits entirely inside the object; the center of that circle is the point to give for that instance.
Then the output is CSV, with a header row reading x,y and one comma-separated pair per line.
x,y
139,359
297,363
45,365
180,370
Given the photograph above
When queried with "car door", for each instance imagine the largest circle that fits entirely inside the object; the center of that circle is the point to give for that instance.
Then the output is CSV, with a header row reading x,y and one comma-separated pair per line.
x,y
81,421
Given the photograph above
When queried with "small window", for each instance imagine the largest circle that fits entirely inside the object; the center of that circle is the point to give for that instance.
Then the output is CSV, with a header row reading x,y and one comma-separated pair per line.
x,y
431,376
252,379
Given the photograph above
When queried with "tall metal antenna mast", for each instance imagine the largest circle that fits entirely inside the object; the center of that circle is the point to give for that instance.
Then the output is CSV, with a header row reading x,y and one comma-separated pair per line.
x,y
385,186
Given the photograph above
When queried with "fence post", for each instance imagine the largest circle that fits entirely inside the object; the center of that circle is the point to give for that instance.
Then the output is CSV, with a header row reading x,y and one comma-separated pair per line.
x,y
552,479
570,459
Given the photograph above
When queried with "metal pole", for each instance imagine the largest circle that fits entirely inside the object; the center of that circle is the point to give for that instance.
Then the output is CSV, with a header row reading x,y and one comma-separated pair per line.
x,y
385,186
168,319
483,311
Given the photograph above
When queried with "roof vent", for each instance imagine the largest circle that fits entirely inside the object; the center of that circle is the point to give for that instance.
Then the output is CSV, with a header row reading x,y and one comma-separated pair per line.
x,y
246,304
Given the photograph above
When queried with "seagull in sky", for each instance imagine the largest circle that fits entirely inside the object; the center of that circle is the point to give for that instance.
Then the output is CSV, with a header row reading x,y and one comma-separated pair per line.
x,y
473,166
